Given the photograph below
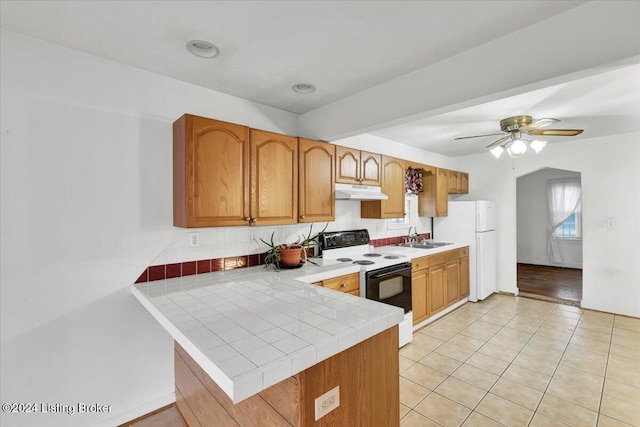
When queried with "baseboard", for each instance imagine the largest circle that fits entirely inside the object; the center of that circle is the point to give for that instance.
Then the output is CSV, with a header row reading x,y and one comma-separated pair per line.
x,y
562,265
439,315
132,414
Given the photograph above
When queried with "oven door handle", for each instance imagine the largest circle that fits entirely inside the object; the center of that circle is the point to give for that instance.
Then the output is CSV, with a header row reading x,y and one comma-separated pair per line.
x,y
390,273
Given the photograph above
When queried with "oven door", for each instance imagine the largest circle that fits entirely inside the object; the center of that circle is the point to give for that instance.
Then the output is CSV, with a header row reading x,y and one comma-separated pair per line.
x,y
390,285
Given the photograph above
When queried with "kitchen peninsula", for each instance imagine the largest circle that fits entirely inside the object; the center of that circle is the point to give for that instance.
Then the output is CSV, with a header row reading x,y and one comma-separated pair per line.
x,y
255,346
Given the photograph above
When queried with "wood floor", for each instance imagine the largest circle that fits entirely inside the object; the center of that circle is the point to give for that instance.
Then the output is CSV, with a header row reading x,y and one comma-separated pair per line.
x,y
555,283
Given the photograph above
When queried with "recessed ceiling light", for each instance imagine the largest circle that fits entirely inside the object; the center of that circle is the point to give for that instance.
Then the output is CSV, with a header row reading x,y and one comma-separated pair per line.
x,y
203,49
303,88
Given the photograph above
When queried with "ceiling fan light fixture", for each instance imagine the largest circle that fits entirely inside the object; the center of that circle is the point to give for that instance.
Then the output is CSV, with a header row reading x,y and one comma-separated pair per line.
x,y
497,151
517,148
537,145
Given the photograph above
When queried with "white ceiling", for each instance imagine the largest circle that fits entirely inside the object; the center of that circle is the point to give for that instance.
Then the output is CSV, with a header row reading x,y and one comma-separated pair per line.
x,y
344,48
602,104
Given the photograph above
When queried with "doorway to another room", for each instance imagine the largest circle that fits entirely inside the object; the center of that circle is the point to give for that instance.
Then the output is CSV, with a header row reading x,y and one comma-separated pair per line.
x,y
549,235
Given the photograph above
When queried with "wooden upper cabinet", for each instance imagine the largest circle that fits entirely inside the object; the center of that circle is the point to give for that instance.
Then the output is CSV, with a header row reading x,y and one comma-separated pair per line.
x,y
317,178
274,178
463,183
393,172
357,167
210,173
452,181
458,182
433,201
370,167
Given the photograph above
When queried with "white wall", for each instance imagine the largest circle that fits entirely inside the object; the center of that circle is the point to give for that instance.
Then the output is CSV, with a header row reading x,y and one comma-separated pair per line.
x,y
610,172
532,214
86,178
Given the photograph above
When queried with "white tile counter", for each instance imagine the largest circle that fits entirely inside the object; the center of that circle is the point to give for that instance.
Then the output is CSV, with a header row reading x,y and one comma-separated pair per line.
x,y
252,328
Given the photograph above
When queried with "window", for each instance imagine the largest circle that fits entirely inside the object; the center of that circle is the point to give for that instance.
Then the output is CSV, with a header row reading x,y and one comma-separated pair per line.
x,y
409,204
569,228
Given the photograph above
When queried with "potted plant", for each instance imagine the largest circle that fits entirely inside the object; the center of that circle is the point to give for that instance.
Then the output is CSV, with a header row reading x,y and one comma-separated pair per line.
x,y
290,254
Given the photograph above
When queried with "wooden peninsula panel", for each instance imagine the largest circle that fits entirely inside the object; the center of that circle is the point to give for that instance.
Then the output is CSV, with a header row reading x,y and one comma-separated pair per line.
x,y
367,374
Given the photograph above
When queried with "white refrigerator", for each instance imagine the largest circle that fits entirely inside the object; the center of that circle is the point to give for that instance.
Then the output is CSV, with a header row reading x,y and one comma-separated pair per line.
x,y
473,222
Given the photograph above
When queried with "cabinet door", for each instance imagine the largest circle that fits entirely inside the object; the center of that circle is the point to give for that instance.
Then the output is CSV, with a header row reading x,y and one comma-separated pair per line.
x,y
370,168
419,296
463,183
210,173
452,182
463,278
393,187
436,283
442,201
274,178
347,165
433,201
451,272
316,173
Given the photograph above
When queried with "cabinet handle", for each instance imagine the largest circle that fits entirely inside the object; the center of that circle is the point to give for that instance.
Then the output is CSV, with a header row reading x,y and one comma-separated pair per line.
x,y
302,216
254,219
342,285
246,218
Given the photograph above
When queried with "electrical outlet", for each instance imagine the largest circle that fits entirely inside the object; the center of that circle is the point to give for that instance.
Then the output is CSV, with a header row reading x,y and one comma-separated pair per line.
x,y
327,402
194,239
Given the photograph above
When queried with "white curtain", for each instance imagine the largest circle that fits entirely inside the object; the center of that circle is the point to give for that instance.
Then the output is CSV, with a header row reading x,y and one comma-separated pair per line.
x,y
564,197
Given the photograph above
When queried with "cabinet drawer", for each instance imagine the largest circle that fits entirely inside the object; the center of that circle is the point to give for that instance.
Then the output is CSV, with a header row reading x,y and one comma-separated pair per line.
x,y
463,252
436,259
348,283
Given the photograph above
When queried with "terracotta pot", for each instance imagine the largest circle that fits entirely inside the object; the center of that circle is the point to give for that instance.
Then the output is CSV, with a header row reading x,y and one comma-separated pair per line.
x,y
290,256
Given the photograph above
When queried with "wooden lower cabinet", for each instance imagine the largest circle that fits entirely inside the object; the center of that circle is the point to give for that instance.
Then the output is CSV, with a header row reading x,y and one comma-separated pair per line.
x,y
366,373
419,299
451,272
438,281
437,289
463,279
349,283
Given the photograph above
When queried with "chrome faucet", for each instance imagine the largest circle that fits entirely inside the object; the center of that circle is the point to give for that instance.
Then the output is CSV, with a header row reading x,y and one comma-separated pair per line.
x,y
413,237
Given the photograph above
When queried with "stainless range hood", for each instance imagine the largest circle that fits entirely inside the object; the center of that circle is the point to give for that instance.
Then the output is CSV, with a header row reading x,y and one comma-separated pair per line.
x,y
359,192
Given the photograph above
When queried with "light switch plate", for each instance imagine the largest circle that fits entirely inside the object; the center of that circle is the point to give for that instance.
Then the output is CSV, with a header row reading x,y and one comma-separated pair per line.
x,y
327,402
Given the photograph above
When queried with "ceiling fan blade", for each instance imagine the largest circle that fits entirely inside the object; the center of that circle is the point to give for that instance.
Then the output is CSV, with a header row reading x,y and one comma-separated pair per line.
x,y
556,132
499,141
540,123
478,136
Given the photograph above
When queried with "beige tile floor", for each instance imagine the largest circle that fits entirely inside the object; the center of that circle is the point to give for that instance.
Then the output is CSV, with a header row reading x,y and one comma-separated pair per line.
x,y
510,361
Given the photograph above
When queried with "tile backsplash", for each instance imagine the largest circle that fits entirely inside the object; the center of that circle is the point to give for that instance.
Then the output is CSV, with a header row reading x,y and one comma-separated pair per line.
x,y
224,248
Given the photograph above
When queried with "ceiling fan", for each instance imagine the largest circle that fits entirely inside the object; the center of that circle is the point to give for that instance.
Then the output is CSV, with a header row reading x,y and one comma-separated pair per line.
x,y
513,129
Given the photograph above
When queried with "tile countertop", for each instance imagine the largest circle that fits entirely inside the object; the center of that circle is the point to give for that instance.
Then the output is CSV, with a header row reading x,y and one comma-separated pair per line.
x,y
251,328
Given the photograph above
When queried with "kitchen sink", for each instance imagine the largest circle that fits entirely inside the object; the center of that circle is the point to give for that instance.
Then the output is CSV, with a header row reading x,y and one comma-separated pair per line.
x,y
425,244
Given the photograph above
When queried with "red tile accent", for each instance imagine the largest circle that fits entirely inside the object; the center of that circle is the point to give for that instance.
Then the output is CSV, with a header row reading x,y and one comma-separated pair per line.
x,y
156,272
254,260
230,263
173,270
261,258
144,277
242,261
189,268
217,264
203,266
